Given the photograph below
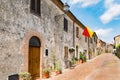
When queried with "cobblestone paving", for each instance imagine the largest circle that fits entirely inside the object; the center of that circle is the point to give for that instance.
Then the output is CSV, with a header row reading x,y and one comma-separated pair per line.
x,y
103,67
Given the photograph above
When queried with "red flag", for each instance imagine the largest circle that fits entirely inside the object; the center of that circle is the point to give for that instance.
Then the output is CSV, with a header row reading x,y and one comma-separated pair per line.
x,y
87,32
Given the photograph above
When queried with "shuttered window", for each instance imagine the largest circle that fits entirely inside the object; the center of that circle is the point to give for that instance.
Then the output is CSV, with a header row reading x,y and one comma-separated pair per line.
x,y
65,24
77,32
65,52
91,40
35,6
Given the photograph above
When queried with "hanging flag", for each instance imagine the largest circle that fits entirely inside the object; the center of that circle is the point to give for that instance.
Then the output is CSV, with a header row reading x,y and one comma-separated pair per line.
x,y
88,32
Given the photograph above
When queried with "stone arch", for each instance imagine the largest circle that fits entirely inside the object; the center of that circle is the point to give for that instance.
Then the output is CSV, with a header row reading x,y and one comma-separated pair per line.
x,y
25,49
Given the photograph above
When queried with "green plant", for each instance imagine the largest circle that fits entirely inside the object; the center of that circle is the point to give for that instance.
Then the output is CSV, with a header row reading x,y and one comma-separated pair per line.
x,y
46,70
73,61
45,73
71,50
81,56
57,67
84,58
56,63
117,46
25,75
76,59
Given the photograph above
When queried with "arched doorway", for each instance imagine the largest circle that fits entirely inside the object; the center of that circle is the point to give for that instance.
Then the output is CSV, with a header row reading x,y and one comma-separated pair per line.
x,y
34,57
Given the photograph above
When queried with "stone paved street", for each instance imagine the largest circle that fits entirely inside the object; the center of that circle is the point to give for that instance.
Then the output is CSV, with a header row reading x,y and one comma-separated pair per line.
x,y
103,67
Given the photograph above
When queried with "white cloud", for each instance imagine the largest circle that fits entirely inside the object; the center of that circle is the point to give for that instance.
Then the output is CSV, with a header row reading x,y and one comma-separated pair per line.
x,y
108,3
84,3
74,1
104,34
112,11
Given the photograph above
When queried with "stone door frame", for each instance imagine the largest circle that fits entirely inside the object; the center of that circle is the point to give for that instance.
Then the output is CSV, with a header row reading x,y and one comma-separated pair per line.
x,y
25,50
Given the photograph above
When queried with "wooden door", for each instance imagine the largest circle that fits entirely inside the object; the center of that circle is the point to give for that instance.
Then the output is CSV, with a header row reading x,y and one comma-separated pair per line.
x,y
66,52
66,56
34,62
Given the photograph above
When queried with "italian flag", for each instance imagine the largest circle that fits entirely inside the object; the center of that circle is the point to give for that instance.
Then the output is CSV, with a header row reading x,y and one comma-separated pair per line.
x,y
88,32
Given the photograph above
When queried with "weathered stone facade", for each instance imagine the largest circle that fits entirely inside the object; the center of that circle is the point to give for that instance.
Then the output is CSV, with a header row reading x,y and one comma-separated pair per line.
x,y
109,48
117,40
93,46
18,25
101,47
117,46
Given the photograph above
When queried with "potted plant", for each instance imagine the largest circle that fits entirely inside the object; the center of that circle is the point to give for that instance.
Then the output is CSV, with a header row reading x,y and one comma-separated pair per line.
x,y
84,58
76,60
25,75
45,73
81,58
71,50
72,62
56,69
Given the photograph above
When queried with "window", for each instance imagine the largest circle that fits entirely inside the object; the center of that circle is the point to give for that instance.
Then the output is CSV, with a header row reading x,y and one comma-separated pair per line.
x,y
85,39
35,6
91,40
94,39
65,24
77,32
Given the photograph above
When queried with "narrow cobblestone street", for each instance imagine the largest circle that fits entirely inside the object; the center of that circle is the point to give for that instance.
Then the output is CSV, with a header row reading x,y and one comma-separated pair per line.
x,y
103,67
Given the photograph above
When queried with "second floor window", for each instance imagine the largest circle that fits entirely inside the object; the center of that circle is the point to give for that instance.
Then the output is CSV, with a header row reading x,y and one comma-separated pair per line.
x,y
94,39
35,6
77,32
91,40
65,24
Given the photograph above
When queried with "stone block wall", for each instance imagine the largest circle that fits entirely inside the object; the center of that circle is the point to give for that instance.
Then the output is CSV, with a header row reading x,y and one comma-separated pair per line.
x,y
16,21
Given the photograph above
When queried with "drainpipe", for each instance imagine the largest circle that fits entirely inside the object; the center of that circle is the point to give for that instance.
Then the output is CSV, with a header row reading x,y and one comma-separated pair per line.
x,y
73,34
88,48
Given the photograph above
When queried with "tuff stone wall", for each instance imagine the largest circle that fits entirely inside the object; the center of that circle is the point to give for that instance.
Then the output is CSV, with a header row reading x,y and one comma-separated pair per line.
x,y
16,20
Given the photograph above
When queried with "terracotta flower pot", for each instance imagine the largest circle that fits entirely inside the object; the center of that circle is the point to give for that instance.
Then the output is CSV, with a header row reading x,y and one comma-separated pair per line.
x,y
77,62
45,75
58,72
54,73
81,61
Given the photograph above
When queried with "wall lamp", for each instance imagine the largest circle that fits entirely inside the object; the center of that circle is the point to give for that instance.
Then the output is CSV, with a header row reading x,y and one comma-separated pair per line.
x,y
66,9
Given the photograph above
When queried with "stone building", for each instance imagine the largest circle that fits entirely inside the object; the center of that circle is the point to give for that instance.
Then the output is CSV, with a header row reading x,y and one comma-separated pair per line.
x,y
117,45
92,46
101,47
31,30
109,48
81,43
117,40
93,42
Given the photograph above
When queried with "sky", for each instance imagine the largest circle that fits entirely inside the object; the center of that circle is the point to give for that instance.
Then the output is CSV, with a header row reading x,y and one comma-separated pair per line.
x,y
102,16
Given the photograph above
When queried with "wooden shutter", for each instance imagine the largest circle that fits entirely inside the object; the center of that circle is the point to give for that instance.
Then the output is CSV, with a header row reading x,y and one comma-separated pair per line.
x,y
32,5
66,52
35,6
65,24
77,32
38,6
